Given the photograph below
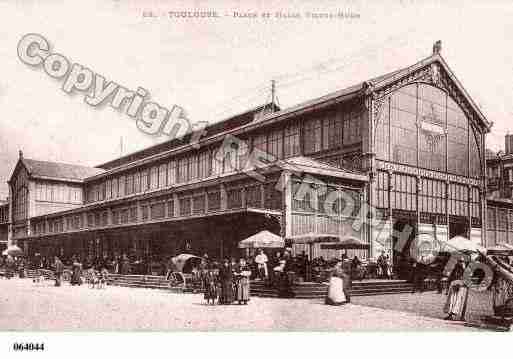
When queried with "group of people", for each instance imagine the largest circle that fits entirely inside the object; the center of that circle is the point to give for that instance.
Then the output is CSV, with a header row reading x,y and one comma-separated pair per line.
x,y
384,266
227,284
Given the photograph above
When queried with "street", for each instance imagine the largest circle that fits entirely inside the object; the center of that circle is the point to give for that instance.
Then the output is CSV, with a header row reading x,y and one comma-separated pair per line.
x,y
25,306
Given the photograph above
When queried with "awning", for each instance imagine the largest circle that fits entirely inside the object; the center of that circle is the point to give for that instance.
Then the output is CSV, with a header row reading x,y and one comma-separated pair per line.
x,y
301,164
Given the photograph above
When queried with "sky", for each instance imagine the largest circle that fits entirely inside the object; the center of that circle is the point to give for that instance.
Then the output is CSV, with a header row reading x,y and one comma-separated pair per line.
x,y
217,67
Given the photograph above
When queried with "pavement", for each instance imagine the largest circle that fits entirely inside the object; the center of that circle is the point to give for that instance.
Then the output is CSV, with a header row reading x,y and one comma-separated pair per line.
x,y
431,304
25,306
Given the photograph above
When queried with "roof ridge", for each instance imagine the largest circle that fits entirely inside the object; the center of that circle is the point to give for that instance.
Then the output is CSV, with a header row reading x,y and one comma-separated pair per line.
x,y
61,163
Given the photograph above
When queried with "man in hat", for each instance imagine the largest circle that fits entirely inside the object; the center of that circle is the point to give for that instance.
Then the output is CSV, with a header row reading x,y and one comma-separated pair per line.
x,y
59,268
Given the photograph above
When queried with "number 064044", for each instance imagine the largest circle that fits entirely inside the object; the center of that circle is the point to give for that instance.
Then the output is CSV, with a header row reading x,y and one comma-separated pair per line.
x,y
28,347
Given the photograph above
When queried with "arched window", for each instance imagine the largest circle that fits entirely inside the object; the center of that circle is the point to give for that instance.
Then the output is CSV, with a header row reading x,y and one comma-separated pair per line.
x,y
420,125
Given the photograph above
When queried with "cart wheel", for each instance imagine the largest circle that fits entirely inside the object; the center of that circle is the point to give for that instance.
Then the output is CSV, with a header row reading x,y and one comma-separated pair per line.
x,y
176,279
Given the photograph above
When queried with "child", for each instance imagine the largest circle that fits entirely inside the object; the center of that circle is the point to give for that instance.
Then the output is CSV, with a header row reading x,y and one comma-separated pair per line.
x,y
104,276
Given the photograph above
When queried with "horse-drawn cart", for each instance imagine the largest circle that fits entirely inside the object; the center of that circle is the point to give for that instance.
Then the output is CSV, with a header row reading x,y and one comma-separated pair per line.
x,y
185,272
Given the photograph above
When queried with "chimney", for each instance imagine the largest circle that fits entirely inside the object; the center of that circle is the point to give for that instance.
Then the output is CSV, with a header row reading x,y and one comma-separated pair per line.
x,y
508,144
20,152
437,47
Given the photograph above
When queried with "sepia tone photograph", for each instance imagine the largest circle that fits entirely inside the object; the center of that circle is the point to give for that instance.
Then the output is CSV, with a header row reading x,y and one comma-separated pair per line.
x,y
281,166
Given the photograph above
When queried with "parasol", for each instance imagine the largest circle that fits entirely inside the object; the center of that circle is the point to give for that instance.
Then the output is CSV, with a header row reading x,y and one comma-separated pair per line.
x,y
312,238
13,251
263,239
461,244
346,243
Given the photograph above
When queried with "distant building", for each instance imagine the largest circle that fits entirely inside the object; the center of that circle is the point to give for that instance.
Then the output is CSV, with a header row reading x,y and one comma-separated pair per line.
x,y
4,224
500,193
500,171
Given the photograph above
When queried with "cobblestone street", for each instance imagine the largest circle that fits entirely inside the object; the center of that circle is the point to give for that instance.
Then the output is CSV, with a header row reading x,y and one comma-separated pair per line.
x,y
39,307
429,304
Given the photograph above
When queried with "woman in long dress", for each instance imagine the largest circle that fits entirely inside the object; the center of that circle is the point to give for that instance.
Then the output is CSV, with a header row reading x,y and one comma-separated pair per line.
x,y
336,295
226,281
456,303
242,282
76,272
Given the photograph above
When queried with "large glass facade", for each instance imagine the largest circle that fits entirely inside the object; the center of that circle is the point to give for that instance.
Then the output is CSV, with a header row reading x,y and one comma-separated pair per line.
x,y
421,125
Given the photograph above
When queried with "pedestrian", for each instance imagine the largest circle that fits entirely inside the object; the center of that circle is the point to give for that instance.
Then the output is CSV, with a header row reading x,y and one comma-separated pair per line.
x,y
383,264
59,268
456,304
76,267
286,276
242,274
21,268
261,261
336,295
125,265
226,282
417,277
9,267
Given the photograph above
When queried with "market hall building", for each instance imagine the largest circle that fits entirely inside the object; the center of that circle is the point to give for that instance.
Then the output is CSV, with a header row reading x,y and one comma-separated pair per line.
x,y
409,144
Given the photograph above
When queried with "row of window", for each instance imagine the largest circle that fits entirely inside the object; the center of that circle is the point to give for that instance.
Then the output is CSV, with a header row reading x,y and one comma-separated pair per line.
x,y
499,219
58,192
332,131
257,195
4,214
20,197
322,133
431,197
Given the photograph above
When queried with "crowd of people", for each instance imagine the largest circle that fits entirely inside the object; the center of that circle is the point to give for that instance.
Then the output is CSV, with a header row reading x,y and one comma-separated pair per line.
x,y
228,281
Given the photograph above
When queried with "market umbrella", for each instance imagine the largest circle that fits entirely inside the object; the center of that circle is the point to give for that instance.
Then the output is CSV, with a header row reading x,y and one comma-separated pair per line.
x,y
263,239
461,244
346,243
13,251
312,238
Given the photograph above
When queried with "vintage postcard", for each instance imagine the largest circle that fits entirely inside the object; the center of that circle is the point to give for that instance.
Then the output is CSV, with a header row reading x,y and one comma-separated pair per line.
x,y
277,166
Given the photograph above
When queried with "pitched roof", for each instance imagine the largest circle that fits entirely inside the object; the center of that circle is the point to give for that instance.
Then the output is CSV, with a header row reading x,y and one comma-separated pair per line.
x,y
59,171
393,76
343,95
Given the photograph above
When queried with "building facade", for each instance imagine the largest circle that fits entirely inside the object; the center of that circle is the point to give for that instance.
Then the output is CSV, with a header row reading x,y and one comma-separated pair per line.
x,y
500,171
500,194
406,148
4,224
